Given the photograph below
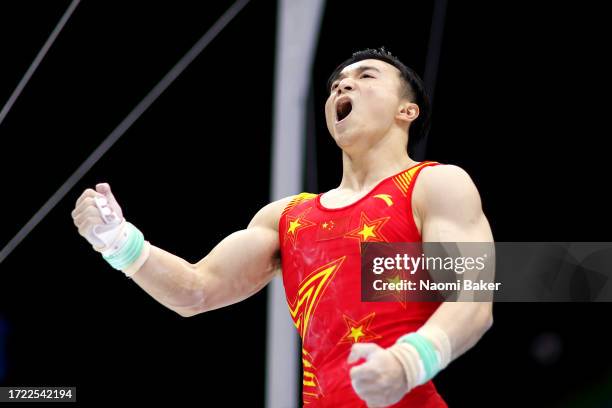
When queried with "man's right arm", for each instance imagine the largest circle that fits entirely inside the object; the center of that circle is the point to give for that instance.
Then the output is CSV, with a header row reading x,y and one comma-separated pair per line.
x,y
236,268
239,266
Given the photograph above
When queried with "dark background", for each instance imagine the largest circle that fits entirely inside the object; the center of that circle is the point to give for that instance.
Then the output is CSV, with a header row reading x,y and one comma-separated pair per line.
x,y
519,104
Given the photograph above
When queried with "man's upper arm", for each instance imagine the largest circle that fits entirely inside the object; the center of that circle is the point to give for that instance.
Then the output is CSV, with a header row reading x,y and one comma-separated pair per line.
x,y
450,206
451,210
243,262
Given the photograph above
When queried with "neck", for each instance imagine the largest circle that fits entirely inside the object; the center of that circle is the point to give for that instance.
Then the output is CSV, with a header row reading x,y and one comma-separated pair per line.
x,y
364,169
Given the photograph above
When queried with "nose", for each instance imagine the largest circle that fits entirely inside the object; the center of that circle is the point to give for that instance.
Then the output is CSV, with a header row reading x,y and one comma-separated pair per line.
x,y
346,84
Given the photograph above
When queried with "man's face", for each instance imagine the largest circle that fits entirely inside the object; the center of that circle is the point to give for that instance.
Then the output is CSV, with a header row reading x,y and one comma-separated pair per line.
x,y
363,103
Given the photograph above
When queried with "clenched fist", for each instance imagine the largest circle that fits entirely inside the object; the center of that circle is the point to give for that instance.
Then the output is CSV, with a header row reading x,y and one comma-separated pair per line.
x,y
381,380
98,217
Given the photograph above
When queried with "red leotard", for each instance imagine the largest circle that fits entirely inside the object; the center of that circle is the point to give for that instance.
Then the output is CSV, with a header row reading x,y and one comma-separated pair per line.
x,y
320,252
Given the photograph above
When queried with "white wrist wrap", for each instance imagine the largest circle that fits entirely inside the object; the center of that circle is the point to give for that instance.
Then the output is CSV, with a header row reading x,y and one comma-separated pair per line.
x,y
135,267
410,360
440,340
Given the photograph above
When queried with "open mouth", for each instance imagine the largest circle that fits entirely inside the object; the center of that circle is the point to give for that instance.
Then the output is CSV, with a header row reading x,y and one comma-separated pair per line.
x,y
343,109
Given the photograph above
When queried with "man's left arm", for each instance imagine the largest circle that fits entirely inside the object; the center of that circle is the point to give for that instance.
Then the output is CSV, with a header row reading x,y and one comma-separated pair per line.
x,y
449,206
451,211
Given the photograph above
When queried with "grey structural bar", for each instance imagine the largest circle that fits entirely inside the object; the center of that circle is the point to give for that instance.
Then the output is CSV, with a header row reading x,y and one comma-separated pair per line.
x,y
297,32
37,60
432,64
125,124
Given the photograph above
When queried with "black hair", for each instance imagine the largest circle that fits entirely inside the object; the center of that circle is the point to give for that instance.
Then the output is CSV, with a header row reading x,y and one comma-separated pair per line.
x,y
413,84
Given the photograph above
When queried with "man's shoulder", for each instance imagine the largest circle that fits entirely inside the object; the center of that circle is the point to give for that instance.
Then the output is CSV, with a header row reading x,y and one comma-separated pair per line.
x,y
270,214
444,184
442,176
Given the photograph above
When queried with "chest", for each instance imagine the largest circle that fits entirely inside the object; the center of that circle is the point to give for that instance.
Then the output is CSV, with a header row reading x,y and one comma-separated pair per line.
x,y
339,200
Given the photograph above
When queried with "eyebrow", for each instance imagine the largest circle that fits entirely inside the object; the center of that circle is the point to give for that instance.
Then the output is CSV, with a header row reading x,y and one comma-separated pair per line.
x,y
358,70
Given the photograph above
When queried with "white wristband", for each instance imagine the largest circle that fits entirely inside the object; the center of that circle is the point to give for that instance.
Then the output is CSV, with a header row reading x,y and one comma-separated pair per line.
x,y
440,340
135,267
411,362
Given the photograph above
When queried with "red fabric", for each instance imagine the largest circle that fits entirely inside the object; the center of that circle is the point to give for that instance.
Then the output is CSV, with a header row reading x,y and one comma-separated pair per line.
x,y
320,251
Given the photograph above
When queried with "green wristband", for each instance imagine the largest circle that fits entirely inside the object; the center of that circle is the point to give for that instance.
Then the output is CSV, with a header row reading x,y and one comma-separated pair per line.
x,y
129,252
426,351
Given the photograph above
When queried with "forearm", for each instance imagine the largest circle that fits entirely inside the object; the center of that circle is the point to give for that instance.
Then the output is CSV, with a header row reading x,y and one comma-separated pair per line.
x,y
452,330
237,267
172,281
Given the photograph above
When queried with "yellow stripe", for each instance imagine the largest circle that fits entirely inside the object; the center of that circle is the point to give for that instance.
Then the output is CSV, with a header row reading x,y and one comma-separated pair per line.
x,y
401,182
298,199
425,163
399,187
407,180
323,273
408,177
301,300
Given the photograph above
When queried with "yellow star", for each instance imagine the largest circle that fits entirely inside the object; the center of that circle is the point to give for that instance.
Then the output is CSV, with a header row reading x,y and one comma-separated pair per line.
x,y
293,225
367,231
324,225
396,279
400,296
356,333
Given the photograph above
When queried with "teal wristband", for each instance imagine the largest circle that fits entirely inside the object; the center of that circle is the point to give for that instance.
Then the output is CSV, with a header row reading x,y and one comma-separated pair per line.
x,y
426,351
129,252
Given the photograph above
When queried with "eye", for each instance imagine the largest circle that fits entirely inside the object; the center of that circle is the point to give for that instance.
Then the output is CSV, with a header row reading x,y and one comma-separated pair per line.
x,y
366,76
334,86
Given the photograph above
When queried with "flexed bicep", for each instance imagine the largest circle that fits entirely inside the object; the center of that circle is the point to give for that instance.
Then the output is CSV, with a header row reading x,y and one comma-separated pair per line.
x,y
239,266
245,261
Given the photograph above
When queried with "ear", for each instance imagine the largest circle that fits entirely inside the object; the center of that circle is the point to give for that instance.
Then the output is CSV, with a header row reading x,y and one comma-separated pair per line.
x,y
408,112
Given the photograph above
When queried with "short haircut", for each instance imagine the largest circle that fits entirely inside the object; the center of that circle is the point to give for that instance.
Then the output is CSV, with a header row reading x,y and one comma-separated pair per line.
x,y
413,87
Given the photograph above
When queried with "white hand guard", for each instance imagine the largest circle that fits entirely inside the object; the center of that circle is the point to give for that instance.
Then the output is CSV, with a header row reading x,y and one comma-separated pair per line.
x,y
109,236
